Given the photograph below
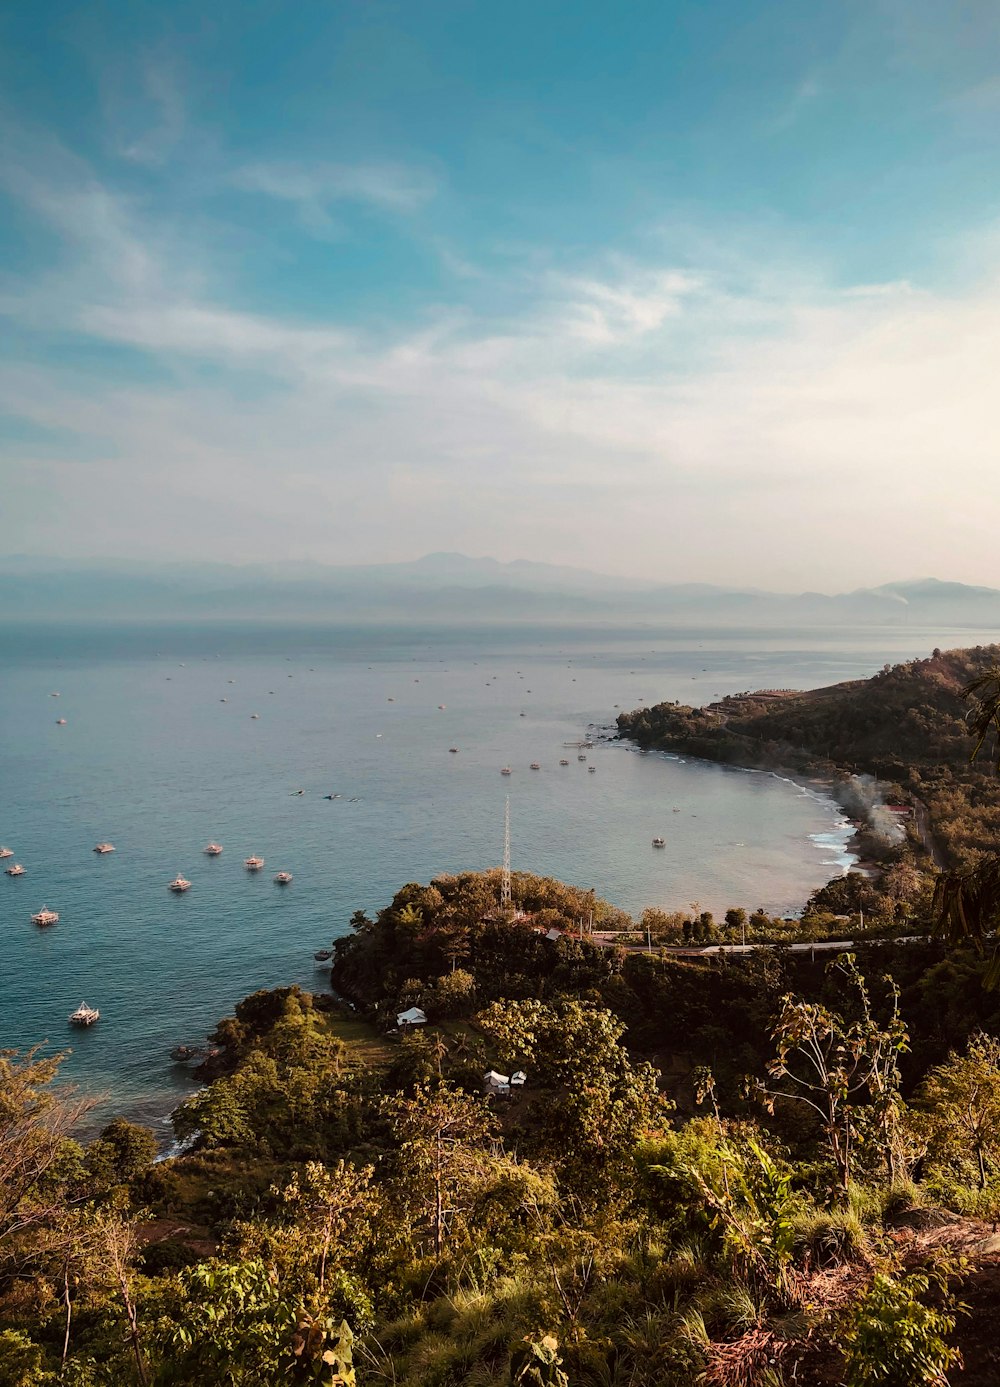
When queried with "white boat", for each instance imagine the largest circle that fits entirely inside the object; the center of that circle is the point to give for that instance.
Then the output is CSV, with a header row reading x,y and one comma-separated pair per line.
x,y
659,842
60,722
282,878
535,766
505,770
105,847
16,871
179,884
6,852
253,864
45,916
84,1015
212,849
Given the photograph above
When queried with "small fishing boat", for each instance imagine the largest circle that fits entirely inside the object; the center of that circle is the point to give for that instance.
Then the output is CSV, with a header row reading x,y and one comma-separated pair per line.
x,y
536,766
253,716
212,849
581,757
659,842
6,852
453,750
180,1054
60,722
505,770
84,1015
15,871
45,916
102,848
179,884
592,770
53,695
563,761
321,955
253,864
282,878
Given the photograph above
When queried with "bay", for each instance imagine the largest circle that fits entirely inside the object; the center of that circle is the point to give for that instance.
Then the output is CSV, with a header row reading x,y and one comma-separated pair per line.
x,y
160,754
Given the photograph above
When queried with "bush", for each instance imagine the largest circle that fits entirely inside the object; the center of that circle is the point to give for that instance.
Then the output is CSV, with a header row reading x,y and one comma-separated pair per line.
x,y
893,1340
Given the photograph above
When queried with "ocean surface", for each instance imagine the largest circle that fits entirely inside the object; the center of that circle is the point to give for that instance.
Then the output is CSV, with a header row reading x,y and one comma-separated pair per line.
x,y
160,755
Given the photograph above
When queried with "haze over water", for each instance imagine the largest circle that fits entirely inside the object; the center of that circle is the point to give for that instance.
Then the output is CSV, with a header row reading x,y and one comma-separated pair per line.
x,y
160,755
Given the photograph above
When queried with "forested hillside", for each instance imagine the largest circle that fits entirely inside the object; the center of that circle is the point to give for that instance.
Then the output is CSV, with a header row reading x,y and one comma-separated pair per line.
x,y
908,726
766,1171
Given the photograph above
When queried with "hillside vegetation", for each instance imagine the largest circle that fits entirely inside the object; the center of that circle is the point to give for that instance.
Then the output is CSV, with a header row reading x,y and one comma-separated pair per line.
x,y
907,726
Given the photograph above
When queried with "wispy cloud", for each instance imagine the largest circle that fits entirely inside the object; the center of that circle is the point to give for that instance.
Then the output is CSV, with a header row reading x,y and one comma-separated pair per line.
x,y
313,189
640,413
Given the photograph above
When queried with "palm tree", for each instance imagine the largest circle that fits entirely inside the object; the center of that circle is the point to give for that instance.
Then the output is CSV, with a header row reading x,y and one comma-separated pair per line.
x,y
984,717
966,906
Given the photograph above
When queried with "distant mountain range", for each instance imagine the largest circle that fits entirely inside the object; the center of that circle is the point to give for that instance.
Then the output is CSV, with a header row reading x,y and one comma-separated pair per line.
x,y
455,588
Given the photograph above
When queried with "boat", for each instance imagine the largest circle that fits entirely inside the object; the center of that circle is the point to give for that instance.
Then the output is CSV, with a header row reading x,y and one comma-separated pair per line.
x,y
505,770
180,1054
60,722
453,750
282,878
592,770
253,716
321,955
179,884
253,864
84,1015
581,757
104,847
212,849
45,916
563,761
535,766
659,842
15,871
6,852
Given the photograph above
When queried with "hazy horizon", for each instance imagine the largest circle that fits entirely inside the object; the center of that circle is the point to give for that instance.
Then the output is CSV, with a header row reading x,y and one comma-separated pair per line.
x,y
679,293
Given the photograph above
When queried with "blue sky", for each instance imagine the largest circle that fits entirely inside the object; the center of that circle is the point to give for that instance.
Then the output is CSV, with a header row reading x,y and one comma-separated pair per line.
x,y
679,290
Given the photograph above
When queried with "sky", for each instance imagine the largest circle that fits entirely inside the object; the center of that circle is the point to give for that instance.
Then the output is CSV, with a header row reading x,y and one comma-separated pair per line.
x,y
681,290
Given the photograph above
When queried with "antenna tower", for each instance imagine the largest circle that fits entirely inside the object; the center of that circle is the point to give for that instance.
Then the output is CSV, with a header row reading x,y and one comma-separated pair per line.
x,y
505,896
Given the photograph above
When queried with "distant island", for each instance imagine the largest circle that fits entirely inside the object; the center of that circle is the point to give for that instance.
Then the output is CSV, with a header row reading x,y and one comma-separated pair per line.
x,y
450,588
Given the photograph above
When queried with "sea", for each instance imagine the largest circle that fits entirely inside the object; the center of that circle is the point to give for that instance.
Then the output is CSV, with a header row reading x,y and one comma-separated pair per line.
x,y
180,735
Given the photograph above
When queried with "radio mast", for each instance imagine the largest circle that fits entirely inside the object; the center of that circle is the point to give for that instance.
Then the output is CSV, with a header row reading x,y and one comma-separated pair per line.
x,y
505,896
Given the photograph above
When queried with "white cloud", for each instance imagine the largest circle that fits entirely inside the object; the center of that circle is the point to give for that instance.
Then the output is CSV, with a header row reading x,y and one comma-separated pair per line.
x,y
673,422
314,188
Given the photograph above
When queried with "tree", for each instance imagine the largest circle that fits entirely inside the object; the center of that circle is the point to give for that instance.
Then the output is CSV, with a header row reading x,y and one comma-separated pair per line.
x,y
35,1121
601,1102
966,904
846,1073
958,1107
443,1136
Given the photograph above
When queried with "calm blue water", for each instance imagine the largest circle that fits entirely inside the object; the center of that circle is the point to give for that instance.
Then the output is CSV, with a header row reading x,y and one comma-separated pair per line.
x,y
153,760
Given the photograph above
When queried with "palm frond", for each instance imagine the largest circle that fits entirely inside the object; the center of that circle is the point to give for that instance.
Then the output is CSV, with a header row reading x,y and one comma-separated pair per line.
x,y
966,910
